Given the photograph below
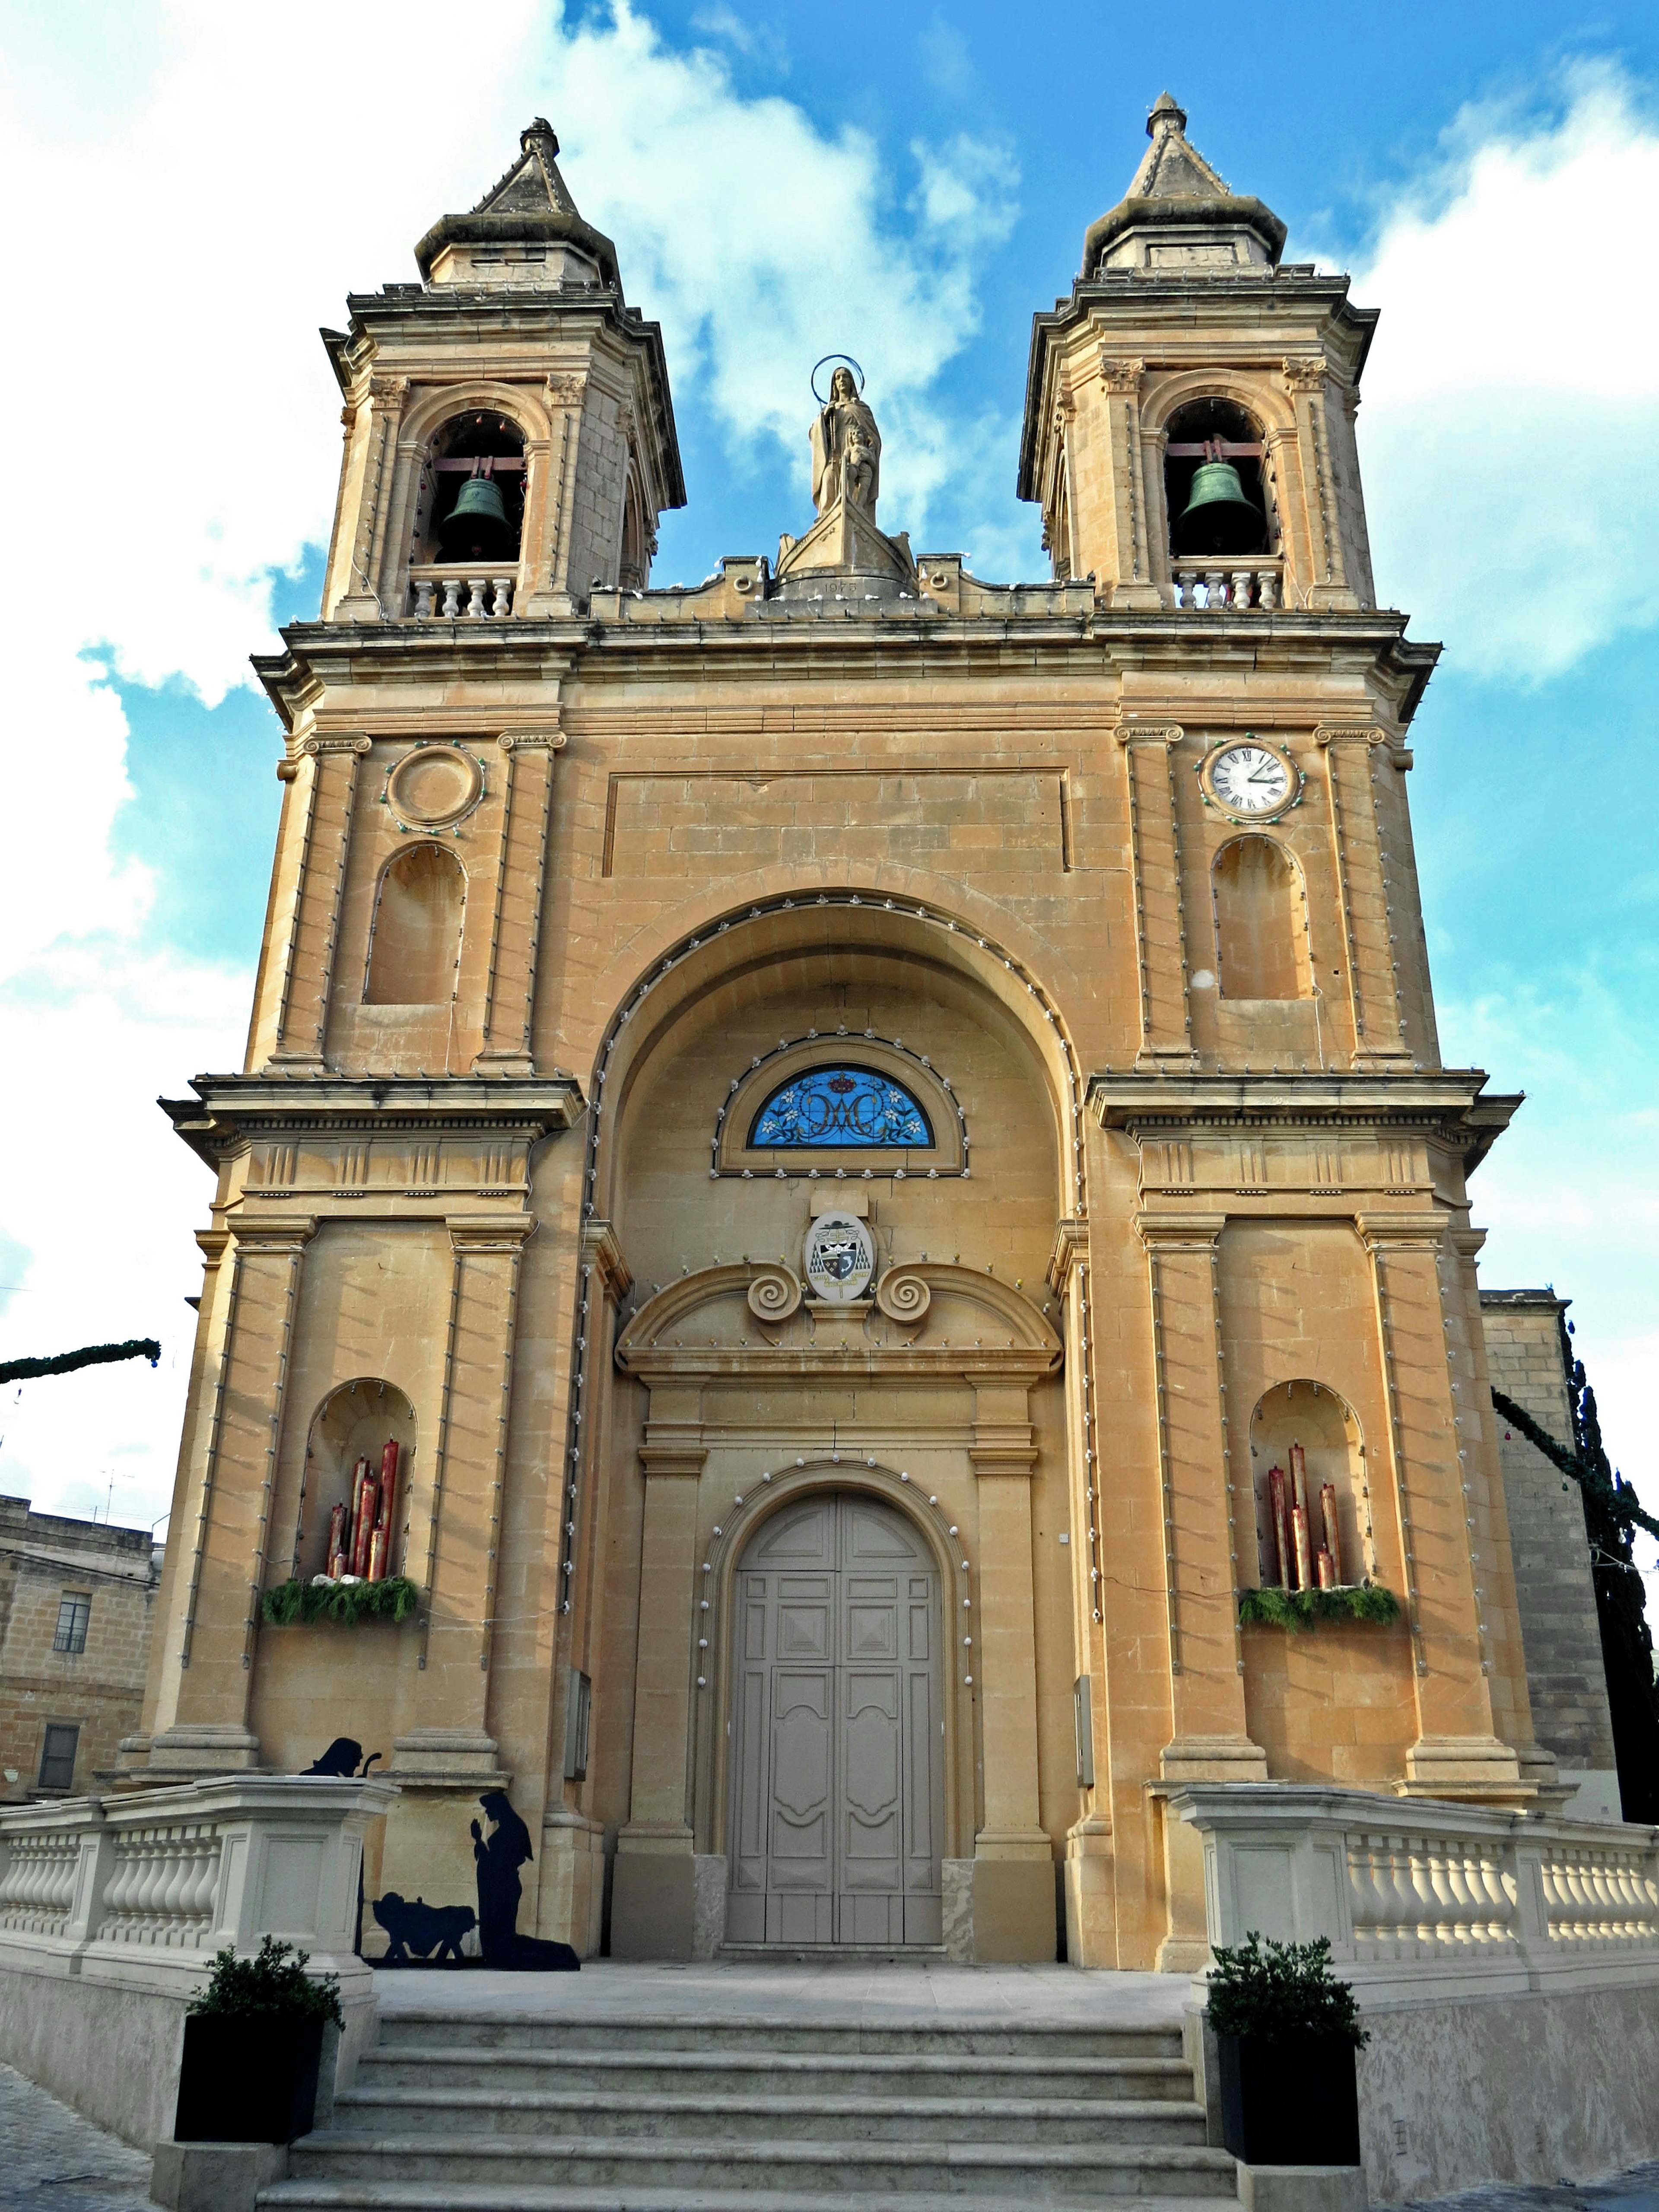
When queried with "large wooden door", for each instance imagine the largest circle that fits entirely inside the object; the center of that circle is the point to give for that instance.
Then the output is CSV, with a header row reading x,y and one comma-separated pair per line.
x,y
837,1746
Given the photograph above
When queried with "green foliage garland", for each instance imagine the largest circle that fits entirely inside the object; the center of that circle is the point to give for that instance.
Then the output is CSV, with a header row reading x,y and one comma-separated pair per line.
x,y
291,1602
1273,1989
1273,1608
1610,1491
89,1355
272,1985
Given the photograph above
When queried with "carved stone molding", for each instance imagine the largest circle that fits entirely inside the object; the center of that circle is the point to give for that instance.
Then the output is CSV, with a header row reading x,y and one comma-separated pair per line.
x,y
532,741
316,746
602,1252
1401,1232
903,1295
972,1325
1305,372
1122,376
775,1293
1359,733
1167,734
1071,1251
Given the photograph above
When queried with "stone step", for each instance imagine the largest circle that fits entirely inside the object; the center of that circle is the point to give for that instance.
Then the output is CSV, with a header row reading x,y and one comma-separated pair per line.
x,y
426,2196
871,2172
728,2072
442,2029
769,2118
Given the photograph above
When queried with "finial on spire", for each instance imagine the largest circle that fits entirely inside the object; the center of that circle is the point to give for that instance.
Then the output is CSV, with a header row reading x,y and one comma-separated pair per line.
x,y
542,137
1165,111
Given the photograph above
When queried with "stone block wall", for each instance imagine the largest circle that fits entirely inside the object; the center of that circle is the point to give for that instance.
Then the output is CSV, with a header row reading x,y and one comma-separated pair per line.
x,y
99,1690
1559,1624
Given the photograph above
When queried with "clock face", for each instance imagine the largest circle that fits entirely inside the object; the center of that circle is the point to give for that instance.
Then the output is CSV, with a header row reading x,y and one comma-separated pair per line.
x,y
1249,779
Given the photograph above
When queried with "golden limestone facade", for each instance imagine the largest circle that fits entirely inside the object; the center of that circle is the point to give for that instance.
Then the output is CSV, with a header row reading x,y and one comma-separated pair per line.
x,y
844,1127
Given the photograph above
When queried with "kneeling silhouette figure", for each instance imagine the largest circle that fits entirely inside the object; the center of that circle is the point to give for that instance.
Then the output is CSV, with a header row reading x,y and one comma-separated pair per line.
x,y
499,1855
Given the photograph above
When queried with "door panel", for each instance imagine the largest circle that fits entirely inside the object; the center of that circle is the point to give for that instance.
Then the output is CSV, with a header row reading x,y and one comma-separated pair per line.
x,y
836,1768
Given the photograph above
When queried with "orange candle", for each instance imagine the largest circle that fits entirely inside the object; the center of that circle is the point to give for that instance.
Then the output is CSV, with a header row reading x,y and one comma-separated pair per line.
x,y
1326,1571
383,1518
1303,1557
364,1525
1332,1538
1281,1527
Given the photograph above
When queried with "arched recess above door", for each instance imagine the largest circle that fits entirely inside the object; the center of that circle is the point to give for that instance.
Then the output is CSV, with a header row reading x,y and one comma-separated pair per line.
x,y
792,1061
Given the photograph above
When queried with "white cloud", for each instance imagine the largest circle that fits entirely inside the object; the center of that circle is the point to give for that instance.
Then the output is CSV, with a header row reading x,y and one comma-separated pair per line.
x,y
192,192
1511,472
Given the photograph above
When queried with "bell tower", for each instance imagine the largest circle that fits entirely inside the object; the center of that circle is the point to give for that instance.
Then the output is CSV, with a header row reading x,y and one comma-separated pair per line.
x,y
1189,410
509,435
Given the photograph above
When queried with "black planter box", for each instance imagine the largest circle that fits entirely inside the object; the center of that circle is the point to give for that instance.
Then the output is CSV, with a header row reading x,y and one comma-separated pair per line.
x,y
247,2080
1291,2102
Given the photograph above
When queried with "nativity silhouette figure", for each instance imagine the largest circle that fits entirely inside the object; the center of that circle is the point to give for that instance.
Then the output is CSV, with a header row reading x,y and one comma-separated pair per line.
x,y
422,1935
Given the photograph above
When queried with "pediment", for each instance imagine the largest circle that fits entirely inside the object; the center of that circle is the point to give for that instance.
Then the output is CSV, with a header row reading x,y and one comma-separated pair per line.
x,y
926,1318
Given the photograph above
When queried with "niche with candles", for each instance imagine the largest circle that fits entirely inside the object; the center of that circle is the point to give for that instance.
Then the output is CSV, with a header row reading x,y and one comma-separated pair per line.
x,y
1313,1516
354,1512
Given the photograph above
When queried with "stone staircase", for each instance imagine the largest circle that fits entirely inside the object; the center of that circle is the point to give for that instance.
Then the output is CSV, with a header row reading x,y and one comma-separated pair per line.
x,y
505,2113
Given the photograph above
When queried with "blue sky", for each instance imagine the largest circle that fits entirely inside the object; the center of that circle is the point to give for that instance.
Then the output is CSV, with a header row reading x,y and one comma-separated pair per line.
x,y
193,190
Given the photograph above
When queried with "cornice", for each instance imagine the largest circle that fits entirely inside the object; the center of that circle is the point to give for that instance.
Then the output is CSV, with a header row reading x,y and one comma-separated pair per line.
x,y
1452,1102
321,656
229,1110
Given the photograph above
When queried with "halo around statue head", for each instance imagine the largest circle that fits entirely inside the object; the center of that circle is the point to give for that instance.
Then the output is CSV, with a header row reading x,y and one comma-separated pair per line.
x,y
822,397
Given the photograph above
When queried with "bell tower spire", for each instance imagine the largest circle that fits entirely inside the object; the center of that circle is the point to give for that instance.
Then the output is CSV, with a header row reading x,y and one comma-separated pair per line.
x,y
510,439
1189,409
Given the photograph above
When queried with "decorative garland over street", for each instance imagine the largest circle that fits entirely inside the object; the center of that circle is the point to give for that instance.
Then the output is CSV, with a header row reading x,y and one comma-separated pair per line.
x,y
1612,1492
1271,1607
292,1602
89,1355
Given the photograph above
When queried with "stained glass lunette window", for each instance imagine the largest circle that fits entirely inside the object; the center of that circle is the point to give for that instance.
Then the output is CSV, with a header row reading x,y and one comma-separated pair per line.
x,y
839,1107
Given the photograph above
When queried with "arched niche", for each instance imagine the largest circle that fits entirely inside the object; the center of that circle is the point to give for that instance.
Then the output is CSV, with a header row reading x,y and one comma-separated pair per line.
x,y
677,1207
415,934
1260,910
480,445
1310,1414
1199,433
356,1421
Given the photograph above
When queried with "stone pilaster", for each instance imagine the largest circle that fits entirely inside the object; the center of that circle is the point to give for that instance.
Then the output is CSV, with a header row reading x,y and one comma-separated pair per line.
x,y
527,778
1166,1028
313,928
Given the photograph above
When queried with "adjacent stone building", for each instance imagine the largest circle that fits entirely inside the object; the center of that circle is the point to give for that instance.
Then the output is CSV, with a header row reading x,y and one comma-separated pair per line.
x,y
77,1599
844,1121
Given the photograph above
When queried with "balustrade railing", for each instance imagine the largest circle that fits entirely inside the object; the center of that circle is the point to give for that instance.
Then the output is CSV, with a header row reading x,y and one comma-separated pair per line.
x,y
1239,585
37,1889
1408,1883
449,595
189,1868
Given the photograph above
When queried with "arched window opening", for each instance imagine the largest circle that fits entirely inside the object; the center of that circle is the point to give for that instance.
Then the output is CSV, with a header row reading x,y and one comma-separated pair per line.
x,y
415,939
360,1456
1261,922
1312,1495
1215,483
471,502
1059,540
835,1107
634,566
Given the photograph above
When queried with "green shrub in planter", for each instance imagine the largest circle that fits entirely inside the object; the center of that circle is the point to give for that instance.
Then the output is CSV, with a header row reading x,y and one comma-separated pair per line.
x,y
254,2041
1286,2029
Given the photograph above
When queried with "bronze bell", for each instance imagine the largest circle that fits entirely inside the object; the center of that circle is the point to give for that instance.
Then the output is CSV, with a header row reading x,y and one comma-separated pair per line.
x,y
477,524
1220,516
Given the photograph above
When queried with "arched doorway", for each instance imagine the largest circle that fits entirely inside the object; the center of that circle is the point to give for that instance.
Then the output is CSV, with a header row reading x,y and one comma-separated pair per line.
x,y
837,1729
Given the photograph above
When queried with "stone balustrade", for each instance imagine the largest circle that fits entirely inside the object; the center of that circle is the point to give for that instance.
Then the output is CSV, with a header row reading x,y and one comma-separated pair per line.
x,y
1217,584
110,1909
1403,1886
448,594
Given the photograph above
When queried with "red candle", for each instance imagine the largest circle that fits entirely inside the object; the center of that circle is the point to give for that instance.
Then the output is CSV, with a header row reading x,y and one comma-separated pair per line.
x,y
1326,1570
1303,1557
1281,1526
353,1506
383,1518
365,1524
1332,1538
377,1555
1299,1477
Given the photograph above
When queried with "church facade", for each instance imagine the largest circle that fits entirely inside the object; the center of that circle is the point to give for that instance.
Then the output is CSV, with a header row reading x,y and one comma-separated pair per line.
x,y
857,1157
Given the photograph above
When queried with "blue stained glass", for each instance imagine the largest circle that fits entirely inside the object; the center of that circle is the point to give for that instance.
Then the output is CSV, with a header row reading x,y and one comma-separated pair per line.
x,y
841,1106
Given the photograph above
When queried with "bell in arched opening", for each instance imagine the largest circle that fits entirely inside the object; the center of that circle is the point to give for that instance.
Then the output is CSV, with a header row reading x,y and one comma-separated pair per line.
x,y
476,526
1220,516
